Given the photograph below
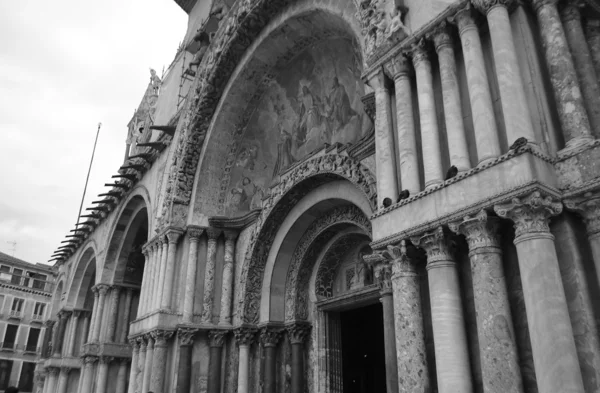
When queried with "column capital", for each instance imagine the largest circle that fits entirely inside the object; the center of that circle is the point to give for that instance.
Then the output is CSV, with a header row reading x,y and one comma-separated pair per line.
x,y
464,19
134,343
173,235
592,27
245,335
480,230
383,276
230,234
435,245
161,337
270,335
146,249
398,66
376,79
588,206
402,264
186,336
216,338
65,369
90,360
485,6
195,232
49,323
298,332
160,241
213,233
78,313
569,10
442,37
419,52
64,314
106,359
53,370
142,343
530,213
102,289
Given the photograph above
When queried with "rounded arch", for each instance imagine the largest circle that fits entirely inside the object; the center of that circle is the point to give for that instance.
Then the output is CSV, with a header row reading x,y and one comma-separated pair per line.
x,y
84,275
231,76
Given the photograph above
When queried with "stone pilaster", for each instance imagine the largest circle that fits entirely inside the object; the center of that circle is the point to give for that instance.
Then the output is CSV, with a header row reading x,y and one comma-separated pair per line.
x,y
498,347
228,271
387,183
430,136
102,290
173,235
194,234
449,335
298,332
159,359
517,120
161,272
399,69
102,376
88,374
209,275
134,369
569,101
554,351
455,128
113,309
244,336
592,33
411,352
582,59
270,337
184,374
484,120
216,339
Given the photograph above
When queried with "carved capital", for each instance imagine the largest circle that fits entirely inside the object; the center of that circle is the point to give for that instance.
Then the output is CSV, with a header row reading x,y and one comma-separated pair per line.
x,y
53,371
402,264
64,314
186,336
530,213
213,233
420,53
173,235
65,369
464,19
592,28
369,104
106,359
588,206
537,4
102,289
216,338
134,344
481,231
245,335
435,245
569,10
142,343
377,80
383,275
398,66
195,233
49,323
485,6
161,337
90,360
270,336
442,37
298,332
230,234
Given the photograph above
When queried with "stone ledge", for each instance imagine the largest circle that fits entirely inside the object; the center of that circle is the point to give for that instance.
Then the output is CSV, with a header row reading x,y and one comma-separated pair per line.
x,y
62,362
156,321
107,349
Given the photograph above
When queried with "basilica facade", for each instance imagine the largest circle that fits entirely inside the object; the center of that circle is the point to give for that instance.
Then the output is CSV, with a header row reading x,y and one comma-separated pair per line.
x,y
348,196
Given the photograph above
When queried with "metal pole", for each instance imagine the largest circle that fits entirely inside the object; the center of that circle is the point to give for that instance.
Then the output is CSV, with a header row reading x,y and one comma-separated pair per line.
x,y
88,174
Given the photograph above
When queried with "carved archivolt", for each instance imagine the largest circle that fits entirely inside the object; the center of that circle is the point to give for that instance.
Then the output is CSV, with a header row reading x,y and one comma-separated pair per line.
x,y
293,186
314,239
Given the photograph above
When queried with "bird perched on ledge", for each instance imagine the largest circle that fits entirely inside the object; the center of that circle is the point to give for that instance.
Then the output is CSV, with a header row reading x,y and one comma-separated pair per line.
x,y
387,202
520,142
404,194
452,171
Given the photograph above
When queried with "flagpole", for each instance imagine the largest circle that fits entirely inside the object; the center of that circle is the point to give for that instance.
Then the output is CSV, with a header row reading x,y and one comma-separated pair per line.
x,y
88,174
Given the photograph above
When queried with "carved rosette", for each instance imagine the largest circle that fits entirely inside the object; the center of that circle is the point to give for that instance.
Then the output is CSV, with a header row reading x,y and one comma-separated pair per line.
x,y
245,335
481,232
530,214
588,206
485,6
186,336
270,336
435,245
298,332
216,338
161,337
383,275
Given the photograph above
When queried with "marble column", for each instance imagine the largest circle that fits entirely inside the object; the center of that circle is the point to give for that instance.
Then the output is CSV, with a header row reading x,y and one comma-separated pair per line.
x,y
228,270
145,278
216,340
122,376
449,335
455,127
569,101
184,373
411,352
209,275
162,272
85,329
102,378
126,316
495,330
159,359
553,346
152,286
63,378
148,364
244,336
592,33
102,290
48,333
141,366
134,369
87,376
517,120
74,321
430,136
60,333
90,336
298,332
399,69
482,110
173,235
50,385
194,234
387,183
113,309
270,337
582,59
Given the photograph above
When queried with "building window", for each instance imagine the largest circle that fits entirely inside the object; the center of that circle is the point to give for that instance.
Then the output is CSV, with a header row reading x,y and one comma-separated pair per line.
x,y
38,311
16,277
39,281
27,377
17,304
10,336
5,273
32,340
5,370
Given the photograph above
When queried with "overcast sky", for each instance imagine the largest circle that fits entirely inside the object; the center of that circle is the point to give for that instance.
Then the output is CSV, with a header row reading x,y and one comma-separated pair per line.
x,y
66,65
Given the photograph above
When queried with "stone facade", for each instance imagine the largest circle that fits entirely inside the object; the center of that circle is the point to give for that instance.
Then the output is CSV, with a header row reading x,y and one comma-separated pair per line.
x,y
436,158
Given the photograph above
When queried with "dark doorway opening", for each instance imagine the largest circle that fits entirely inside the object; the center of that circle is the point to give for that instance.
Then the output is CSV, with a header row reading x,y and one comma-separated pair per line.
x,y
363,356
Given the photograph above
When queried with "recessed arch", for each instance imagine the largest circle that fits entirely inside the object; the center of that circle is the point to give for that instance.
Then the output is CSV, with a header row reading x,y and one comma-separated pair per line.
x,y
84,276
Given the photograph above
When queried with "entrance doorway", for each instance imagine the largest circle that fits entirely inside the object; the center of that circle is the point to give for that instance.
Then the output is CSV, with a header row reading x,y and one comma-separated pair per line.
x,y
363,356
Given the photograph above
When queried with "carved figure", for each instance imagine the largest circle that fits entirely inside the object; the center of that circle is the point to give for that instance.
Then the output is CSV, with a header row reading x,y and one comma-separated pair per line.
x,y
154,81
396,24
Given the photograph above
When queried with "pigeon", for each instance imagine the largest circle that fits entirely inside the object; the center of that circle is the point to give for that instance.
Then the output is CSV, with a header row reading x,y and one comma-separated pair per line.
x,y
453,171
520,142
387,202
404,194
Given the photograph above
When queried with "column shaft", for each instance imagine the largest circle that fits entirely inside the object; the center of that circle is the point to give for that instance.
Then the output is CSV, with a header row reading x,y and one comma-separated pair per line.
x,y
173,236
60,334
227,288
85,330
145,278
430,136
50,385
62,380
455,128
102,381
297,334
122,377
139,381
148,365
134,369
90,336
569,101
88,374
112,313
482,110
159,360
151,284
102,289
190,277
209,275
592,33
184,372
162,274
582,60
71,343
126,316
270,337
243,370
216,340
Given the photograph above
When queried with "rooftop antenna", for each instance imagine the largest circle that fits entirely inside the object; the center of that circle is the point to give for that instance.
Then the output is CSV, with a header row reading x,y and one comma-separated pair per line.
x,y
88,174
14,247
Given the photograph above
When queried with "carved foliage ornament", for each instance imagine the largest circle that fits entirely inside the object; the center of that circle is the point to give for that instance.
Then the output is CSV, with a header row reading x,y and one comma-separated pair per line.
x,y
435,245
245,335
161,337
530,214
216,338
270,336
588,206
186,336
298,332
383,275
481,231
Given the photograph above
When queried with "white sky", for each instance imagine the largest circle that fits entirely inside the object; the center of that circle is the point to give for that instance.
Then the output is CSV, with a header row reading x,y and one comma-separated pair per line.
x,y
66,65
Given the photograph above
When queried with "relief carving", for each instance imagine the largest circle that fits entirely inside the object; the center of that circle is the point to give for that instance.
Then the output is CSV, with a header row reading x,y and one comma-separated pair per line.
x,y
531,213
